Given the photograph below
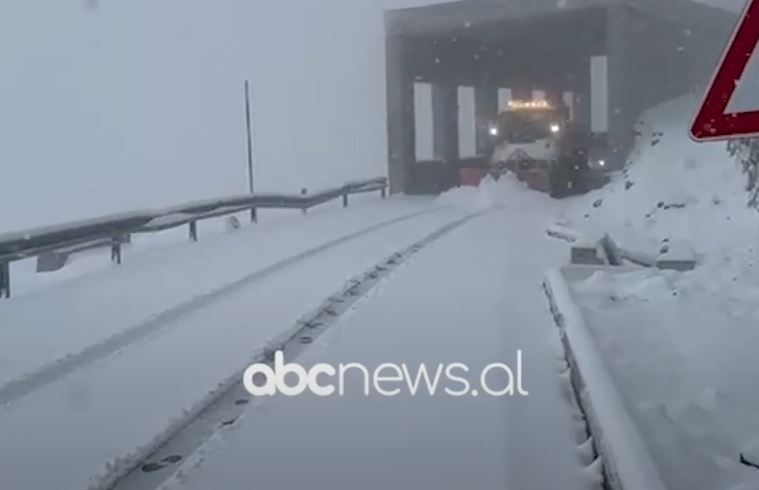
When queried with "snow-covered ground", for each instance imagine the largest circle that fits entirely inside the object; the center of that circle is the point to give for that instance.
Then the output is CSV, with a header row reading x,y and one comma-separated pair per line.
x,y
472,297
680,346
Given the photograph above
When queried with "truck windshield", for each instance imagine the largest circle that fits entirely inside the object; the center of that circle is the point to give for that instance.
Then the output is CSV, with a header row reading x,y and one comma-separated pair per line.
x,y
526,127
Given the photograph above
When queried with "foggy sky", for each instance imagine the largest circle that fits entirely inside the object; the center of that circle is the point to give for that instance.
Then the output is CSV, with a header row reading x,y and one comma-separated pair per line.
x,y
130,105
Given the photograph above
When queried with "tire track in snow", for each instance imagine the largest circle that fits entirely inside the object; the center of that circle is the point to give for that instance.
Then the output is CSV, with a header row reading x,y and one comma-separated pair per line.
x,y
220,409
17,389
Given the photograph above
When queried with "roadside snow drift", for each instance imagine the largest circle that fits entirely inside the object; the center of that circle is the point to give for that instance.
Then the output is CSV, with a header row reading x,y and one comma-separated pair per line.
x,y
675,190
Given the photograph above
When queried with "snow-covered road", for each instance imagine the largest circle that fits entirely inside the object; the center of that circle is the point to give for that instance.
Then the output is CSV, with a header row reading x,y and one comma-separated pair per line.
x,y
86,425
472,297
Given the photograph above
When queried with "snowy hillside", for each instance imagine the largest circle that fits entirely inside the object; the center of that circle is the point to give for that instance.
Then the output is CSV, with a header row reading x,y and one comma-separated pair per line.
x,y
676,189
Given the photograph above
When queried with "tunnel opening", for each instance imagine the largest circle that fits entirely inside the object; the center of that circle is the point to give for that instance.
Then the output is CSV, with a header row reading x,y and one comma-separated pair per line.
x,y
451,68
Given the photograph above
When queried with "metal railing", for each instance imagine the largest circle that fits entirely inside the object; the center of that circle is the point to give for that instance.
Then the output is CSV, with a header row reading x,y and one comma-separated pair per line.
x,y
114,230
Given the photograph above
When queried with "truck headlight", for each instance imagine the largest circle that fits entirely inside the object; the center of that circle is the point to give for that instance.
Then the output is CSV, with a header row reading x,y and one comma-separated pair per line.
x,y
493,131
555,128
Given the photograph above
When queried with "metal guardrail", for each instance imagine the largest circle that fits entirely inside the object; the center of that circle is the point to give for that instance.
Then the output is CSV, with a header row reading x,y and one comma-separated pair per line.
x,y
21,245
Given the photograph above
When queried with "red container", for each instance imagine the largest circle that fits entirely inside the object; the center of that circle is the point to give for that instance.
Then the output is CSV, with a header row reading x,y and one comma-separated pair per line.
x,y
471,177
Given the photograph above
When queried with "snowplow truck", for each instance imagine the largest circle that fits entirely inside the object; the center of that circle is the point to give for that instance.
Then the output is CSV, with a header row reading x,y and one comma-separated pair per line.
x,y
537,142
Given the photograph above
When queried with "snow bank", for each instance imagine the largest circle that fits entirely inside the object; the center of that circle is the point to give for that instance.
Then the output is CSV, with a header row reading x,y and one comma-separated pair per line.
x,y
490,193
675,190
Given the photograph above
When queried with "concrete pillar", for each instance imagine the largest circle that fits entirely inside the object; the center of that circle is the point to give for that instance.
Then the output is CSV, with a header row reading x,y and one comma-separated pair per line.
x,y
423,121
504,96
400,116
445,115
486,113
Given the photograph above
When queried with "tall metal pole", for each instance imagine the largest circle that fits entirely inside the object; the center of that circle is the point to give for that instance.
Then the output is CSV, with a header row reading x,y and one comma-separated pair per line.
x,y
251,189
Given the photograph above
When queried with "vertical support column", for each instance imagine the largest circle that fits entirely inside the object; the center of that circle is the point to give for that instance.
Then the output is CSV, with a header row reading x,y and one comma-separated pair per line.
x,y
486,113
423,150
445,115
504,97
400,116
623,107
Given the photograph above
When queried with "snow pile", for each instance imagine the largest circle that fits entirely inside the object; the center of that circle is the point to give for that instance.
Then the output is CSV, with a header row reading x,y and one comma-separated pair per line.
x,y
675,190
489,194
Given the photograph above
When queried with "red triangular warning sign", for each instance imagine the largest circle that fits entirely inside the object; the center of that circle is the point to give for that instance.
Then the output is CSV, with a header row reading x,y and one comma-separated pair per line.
x,y
713,121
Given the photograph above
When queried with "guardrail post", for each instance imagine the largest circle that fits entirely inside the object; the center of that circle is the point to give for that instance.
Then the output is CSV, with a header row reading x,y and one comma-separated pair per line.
x,y
5,280
253,215
383,192
194,231
304,192
345,200
116,250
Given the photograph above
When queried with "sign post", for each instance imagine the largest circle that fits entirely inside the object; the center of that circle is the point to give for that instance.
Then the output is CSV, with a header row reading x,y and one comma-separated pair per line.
x,y
251,188
714,120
